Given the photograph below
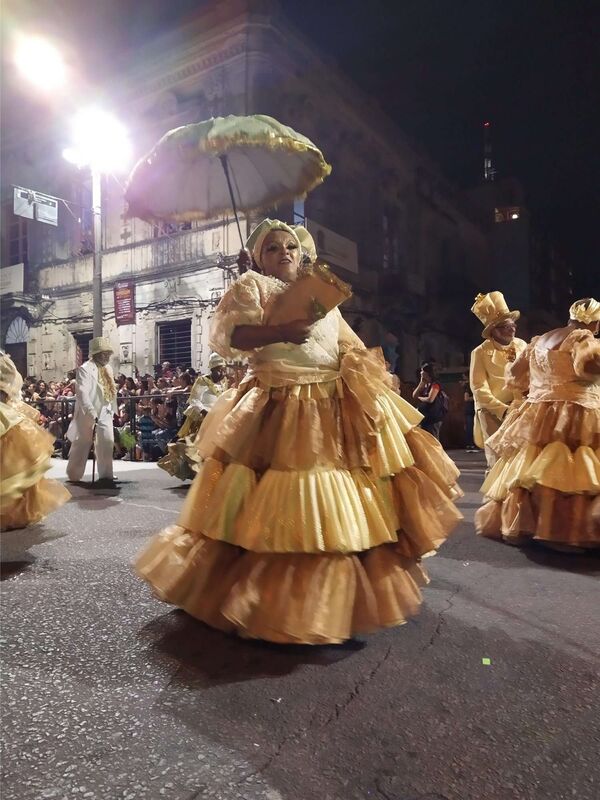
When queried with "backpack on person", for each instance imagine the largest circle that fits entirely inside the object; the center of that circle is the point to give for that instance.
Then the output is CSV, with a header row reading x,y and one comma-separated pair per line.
x,y
440,406
444,402
436,410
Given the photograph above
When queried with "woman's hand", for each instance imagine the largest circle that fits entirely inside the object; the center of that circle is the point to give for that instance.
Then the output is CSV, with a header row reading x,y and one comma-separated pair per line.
x,y
419,388
249,337
296,332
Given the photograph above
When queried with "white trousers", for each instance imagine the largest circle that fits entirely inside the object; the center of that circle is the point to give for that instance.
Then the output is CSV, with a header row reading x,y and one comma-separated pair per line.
x,y
489,425
80,448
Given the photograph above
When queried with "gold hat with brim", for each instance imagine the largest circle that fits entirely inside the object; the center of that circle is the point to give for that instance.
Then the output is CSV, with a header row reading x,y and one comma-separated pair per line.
x,y
100,345
492,310
215,360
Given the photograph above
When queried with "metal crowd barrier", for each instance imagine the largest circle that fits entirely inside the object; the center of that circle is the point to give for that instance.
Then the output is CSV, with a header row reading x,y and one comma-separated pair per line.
x,y
61,410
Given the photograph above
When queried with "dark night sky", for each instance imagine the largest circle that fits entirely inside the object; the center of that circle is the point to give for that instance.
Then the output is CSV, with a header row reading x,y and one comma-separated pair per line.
x,y
440,68
530,66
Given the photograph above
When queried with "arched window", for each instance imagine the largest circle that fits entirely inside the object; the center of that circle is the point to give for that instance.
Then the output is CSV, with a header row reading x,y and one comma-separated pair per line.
x,y
18,331
16,340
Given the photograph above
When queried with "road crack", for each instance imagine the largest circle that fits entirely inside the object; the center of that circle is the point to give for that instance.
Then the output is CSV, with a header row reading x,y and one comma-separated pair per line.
x,y
441,618
335,715
358,687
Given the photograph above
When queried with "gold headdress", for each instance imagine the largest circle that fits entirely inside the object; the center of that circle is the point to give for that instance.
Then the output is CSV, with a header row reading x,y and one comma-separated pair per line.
x,y
307,242
260,233
585,311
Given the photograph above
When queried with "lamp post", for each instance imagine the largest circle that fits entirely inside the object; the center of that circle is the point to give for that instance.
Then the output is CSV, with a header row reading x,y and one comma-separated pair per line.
x,y
100,142
97,268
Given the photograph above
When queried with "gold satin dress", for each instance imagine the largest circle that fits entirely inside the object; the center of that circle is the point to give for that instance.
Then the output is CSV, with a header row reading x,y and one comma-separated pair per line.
x,y
26,451
546,482
181,459
317,494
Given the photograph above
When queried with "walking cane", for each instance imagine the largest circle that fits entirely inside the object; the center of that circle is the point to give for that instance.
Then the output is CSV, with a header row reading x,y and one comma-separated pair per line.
x,y
94,455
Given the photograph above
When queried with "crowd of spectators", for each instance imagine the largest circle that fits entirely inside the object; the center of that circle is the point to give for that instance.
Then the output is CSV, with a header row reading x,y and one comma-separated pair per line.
x,y
149,409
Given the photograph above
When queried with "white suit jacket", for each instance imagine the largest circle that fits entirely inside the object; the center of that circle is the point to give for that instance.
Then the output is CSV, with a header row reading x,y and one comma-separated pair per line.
x,y
89,402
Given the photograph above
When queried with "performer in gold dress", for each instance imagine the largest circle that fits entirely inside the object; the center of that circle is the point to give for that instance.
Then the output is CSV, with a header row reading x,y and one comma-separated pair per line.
x,y
181,459
546,483
318,494
25,455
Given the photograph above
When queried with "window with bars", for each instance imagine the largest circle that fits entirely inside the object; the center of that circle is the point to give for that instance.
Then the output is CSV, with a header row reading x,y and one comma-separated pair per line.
x,y
175,342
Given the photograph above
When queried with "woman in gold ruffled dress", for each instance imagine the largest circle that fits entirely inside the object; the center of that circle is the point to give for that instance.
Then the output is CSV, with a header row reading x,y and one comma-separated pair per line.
x,y
546,483
25,455
318,494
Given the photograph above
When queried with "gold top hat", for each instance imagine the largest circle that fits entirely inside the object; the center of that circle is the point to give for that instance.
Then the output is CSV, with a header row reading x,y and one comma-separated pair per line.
x,y
100,345
491,310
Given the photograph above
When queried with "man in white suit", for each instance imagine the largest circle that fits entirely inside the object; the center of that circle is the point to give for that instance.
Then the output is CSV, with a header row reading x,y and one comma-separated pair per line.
x,y
95,404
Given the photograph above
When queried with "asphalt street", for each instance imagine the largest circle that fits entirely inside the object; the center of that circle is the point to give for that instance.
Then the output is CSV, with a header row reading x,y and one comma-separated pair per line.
x,y
109,694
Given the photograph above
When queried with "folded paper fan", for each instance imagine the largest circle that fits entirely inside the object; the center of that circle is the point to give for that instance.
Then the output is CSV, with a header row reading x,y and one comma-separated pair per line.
x,y
316,292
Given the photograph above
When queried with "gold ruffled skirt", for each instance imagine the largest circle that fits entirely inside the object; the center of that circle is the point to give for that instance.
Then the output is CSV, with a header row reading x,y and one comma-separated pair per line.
x,y
546,483
181,458
309,515
26,496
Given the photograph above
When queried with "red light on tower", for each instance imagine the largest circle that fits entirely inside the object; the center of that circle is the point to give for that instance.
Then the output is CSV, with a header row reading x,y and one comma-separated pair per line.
x,y
487,124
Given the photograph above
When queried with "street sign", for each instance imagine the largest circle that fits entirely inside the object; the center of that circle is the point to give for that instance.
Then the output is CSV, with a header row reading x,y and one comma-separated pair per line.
x,y
35,205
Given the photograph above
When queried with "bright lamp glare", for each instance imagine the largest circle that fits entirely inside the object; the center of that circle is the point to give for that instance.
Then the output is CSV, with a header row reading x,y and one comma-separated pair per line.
x,y
100,141
40,62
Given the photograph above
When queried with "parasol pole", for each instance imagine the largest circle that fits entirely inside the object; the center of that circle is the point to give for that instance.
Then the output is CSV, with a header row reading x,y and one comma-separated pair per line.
x,y
225,165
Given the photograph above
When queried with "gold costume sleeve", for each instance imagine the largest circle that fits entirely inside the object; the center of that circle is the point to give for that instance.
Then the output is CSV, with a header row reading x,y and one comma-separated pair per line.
x,y
586,358
240,305
480,386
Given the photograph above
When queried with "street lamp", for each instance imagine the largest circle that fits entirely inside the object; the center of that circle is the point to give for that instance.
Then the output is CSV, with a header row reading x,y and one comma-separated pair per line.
x,y
100,142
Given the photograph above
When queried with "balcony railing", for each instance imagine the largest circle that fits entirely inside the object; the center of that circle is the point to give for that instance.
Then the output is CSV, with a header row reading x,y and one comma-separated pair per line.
x,y
176,250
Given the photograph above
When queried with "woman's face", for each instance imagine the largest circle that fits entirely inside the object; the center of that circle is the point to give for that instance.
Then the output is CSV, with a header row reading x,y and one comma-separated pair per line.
x,y
280,256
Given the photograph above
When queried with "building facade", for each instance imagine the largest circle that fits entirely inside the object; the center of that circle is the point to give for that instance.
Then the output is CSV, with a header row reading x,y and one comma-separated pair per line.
x,y
385,219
